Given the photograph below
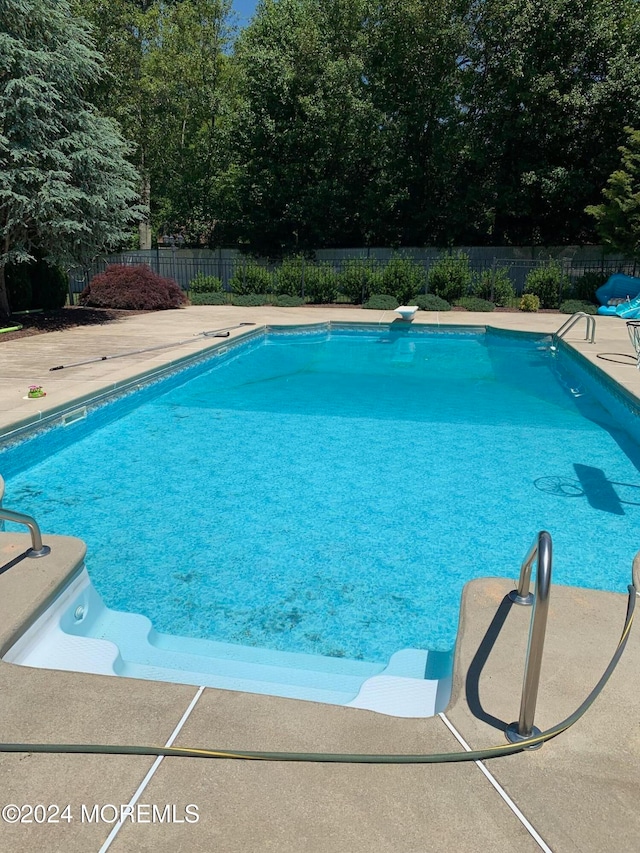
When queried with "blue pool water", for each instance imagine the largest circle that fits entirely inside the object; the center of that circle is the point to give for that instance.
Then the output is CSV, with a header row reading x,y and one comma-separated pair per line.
x,y
331,493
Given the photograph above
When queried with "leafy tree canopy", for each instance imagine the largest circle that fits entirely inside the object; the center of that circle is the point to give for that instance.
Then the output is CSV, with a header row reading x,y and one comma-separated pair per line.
x,y
364,122
167,88
65,185
547,90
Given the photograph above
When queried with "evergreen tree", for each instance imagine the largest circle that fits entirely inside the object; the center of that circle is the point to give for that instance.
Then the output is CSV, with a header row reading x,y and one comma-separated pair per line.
x,y
618,218
65,185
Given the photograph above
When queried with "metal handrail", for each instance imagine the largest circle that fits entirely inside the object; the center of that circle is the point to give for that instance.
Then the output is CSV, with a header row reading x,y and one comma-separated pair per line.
x,y
540,553
37,548
590,334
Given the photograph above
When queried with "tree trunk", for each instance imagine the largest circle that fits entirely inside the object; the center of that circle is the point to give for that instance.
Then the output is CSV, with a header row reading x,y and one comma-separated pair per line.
x,y
5,310
144,228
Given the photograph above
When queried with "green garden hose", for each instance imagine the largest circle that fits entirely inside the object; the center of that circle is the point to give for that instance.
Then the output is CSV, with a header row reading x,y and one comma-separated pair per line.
x,y
346,758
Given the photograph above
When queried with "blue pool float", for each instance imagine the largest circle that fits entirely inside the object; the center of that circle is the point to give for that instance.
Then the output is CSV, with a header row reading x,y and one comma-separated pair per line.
x,y
629,310
620,286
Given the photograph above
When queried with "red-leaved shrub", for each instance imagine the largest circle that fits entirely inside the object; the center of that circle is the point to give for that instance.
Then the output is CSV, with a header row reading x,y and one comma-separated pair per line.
x,y
133,288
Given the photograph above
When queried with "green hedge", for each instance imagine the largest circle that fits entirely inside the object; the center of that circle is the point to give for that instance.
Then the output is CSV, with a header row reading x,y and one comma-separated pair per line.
x,y
572,306
249,277
403,279
250,300
359,279
474,303
285,301
450,277
584,287
288,277
320,283
431,302
209,298
205,284
382,302
547,283
494,286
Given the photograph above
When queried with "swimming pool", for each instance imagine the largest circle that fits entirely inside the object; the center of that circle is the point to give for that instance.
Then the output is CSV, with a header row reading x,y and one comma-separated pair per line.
x,y
328,492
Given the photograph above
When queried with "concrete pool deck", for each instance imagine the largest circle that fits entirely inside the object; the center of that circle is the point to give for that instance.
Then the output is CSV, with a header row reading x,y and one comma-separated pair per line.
x,y
579,792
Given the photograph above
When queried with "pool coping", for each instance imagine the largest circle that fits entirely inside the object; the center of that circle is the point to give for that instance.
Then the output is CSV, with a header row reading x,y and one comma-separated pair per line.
x,y
49,416
58,413
113,390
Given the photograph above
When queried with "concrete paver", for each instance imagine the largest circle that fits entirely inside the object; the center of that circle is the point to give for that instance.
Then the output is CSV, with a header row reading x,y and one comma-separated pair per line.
x,y
580,789
252,806
319,808
68,787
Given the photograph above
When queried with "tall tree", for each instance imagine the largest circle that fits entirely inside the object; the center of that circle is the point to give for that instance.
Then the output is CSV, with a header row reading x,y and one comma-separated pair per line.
x,y
166,88
193,69
548,88
349,131
412,66
618,217
65,185
306,146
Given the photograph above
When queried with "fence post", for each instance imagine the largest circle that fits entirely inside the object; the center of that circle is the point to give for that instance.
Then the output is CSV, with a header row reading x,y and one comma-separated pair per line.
x,y
493,279
564,275
302,294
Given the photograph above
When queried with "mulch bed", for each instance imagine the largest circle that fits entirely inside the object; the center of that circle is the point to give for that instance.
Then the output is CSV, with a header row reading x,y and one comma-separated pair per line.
x,y
57,321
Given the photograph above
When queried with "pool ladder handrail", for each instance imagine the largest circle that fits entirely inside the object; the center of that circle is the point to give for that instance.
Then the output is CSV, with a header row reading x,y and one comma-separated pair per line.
x,y
540,553
37,548
590,334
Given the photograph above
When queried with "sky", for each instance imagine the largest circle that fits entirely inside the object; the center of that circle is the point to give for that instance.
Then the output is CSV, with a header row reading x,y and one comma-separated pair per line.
x,y
244,9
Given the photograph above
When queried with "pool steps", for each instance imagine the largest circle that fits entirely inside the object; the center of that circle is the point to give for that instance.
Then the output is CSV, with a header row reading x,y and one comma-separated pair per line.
x,y
79,633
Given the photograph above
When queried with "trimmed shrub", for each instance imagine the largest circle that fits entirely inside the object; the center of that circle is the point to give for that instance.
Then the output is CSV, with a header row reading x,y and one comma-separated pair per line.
x,y
320,283
431,302
403,278
382,302
584,288
547,283
450,277
529,302
250,300
205,284
298,275
285,301
209,299
474,303
572,306
289,276
251,278
495,286
359,279
135,288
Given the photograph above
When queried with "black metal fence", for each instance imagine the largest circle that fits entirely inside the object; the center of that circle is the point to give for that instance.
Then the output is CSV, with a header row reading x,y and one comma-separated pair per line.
x,y
244,274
